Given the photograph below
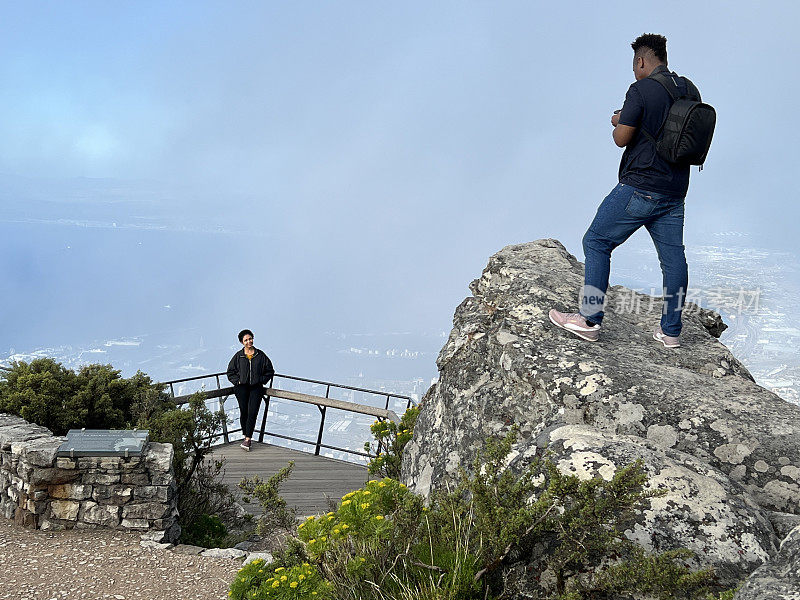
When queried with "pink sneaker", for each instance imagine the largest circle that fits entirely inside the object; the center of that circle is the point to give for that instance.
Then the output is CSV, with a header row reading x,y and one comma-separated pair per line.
x,y
668,340
576,324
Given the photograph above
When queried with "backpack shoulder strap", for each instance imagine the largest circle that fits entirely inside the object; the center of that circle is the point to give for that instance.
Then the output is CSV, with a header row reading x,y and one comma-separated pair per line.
x,y
669,81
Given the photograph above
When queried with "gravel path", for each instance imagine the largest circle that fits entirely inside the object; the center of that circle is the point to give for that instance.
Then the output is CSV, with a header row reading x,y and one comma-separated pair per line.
x,y
92,564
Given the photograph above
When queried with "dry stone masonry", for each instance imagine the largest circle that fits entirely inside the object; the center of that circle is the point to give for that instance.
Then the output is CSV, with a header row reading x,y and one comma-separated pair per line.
x,y
40,490
726,449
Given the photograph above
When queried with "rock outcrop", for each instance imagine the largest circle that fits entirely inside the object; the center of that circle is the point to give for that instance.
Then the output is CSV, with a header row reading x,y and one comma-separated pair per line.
x,y
727,450
779,579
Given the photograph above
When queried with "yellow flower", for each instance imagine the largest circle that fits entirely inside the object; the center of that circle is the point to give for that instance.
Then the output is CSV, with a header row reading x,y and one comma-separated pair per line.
x,y
261,570
306,565
402,485
382,484
293,584
323,538
312,540
330,514
345,526
301,577
367,492
283,577
309,517
346,502
365,505
379,517
276,583
336,531
279,569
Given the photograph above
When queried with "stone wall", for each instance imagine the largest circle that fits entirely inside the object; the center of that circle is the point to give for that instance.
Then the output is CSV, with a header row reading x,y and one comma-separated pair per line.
x,y
40,490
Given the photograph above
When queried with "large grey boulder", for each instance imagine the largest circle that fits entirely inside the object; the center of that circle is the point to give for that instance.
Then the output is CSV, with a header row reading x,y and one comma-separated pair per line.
x,y
779,579
702,510
694,414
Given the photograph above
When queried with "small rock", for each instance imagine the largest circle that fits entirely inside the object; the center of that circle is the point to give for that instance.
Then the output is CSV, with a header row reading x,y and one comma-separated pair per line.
x,y
151,544
223,553
265,556
188,549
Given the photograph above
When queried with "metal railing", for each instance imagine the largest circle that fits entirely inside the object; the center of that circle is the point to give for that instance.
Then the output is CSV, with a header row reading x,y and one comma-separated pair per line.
x,y
322,403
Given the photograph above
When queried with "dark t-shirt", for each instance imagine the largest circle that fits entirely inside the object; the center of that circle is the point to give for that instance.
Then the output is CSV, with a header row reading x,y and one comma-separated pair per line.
x,y
646,106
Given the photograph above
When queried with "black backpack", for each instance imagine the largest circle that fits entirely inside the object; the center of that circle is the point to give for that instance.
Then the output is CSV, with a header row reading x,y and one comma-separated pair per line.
x,y
685,135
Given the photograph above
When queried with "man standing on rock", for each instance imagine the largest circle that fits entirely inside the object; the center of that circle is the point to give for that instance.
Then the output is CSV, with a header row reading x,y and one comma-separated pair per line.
x,y
650,192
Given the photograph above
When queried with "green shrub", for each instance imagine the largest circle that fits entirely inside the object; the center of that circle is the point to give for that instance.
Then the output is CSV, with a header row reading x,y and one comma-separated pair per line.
x,y
260,581
390,440
191,430
383,543
577,525
96,397
275,513
206,530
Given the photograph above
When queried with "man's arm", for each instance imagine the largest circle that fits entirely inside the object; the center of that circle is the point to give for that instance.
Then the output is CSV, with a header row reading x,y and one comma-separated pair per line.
x,y
623,135
627,120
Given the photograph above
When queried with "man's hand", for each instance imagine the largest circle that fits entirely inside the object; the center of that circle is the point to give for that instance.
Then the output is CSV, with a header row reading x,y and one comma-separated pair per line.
x,y
615,118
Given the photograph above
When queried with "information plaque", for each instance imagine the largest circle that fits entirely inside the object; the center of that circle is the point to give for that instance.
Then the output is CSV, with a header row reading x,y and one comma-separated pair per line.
x,y
104,442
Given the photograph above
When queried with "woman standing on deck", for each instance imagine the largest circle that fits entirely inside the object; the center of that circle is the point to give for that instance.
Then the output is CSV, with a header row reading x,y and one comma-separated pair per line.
x,y
249,371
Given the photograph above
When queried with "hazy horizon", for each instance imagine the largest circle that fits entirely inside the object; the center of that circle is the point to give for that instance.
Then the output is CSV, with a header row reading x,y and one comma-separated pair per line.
x,y
319,171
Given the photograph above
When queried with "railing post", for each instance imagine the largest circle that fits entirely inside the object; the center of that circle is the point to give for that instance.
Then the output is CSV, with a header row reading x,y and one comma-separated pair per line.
x,y
387,401
322,410
264,420
380,442
171,390
224,420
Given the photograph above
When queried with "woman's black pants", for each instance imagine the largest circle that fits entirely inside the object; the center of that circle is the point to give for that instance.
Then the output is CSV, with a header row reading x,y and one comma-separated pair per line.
x,y
249,398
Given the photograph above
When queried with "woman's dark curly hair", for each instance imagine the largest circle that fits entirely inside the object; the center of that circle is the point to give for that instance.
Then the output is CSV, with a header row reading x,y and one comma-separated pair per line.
x,y
243,333
651,41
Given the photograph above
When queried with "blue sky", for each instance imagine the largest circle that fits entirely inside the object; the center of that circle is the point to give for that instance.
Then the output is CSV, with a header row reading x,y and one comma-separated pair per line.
x,y
364,158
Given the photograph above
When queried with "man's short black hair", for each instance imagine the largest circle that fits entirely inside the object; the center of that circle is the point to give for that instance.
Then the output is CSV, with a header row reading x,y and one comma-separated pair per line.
x,y
243,333
651,41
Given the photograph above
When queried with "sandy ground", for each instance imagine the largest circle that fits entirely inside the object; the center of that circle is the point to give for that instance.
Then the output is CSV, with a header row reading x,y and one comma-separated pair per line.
x,y
90,564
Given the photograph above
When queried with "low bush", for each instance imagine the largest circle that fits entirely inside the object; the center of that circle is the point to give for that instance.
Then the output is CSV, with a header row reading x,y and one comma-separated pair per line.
x,y
260,581
96,397
383,543
201,492
275,513
207,531
390,440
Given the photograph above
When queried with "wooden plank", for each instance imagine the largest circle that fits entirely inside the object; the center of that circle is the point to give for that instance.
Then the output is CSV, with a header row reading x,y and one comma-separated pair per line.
x,y
306,398
314,480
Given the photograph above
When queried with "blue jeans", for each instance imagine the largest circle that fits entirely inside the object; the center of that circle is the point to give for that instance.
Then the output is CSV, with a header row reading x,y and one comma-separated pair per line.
x,y
622,212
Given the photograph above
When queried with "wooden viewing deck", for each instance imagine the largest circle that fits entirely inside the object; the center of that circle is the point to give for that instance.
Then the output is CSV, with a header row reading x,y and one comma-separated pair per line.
x,y
314,479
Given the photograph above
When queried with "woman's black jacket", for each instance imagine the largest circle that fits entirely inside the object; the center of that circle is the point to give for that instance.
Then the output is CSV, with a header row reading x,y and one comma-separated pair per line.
x,y
250,371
